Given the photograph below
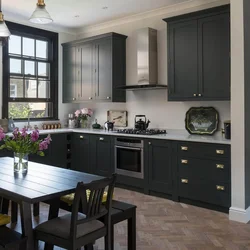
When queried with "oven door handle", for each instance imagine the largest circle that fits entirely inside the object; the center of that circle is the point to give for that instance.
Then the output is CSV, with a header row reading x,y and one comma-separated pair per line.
x,y
131,148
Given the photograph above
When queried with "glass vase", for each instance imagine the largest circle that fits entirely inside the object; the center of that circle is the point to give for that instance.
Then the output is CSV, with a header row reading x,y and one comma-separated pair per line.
x,y
84,123
20,163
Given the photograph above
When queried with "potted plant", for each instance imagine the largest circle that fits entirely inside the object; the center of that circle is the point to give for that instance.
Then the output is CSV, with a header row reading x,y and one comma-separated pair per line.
x,y
82,116
22,144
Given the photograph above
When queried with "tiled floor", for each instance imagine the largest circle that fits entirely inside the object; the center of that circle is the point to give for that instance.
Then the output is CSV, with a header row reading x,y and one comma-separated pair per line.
x,y
163,224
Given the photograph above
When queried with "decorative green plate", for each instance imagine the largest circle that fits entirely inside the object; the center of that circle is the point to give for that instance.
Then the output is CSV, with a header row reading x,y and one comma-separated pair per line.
x,y
202,120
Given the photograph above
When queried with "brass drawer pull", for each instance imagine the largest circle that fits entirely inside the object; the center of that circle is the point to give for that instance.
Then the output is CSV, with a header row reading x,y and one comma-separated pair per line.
x,y
220,166
184,148
184,181
184,161
219,152
220,188
81,137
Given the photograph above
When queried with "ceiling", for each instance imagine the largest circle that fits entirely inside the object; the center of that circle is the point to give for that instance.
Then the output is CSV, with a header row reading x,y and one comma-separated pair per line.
x,y
79,13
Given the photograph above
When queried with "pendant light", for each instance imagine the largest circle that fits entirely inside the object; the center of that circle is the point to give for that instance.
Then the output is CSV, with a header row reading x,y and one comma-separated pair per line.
x,y
41,15
4,31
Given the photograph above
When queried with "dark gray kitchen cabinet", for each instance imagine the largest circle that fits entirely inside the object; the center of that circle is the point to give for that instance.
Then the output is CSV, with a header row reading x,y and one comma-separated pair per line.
x,y
84,72
183,64
80,153
159,165
100,67
103,72
102,154
199,55
69,74
214,57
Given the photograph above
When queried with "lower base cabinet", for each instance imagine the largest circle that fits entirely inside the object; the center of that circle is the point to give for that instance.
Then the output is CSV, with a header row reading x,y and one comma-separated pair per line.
x,y
102,155
158,157
80,153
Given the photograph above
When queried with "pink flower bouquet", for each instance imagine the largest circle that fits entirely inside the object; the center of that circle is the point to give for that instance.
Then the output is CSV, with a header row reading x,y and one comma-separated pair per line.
x,y
82,116
23,142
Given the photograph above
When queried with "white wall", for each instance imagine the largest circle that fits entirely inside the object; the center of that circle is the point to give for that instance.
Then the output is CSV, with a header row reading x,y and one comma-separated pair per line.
x,y
63,109
152,103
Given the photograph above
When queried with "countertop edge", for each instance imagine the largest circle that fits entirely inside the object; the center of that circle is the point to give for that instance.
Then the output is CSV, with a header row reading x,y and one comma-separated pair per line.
x,y
170,136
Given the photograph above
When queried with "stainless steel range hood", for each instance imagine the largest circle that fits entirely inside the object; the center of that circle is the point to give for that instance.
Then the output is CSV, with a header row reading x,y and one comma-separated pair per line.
x,y
147,65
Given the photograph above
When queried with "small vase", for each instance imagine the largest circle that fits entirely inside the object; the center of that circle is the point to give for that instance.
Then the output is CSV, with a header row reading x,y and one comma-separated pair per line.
x,y
84,123
20,163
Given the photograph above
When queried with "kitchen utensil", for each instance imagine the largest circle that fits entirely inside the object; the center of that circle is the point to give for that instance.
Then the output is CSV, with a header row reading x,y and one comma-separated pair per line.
x,y
109,125
141,124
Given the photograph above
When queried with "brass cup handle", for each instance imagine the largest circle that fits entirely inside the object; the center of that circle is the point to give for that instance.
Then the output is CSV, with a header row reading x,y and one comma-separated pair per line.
x,y
184,181
108,97
220,188
184,161
184,148
90,98
195,95
101,139
81,137
219,152
74,98
200,95
150,143
220,166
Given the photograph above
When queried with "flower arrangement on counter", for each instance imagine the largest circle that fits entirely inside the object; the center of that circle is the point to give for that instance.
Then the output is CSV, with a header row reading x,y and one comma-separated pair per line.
x,y
23,143
82,116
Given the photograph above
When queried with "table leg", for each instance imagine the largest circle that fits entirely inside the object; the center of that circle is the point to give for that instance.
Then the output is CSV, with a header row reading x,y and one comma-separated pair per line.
x,y
53,213
132,231
14,212
27,229
112,242
5,206
36,209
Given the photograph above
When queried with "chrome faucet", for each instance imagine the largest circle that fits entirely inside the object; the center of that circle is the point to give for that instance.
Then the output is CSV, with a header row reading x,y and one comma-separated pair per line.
x,y
29,113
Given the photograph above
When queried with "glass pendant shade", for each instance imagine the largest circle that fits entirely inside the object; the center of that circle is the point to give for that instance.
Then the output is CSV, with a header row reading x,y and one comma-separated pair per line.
x,y
41,15
4,31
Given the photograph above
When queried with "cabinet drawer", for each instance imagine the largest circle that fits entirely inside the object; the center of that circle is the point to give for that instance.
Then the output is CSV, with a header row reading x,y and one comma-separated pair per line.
x,y
201,150
217,193
213,170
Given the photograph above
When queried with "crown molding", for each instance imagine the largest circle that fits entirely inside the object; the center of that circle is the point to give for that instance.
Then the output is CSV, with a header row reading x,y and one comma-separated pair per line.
x,y
168,11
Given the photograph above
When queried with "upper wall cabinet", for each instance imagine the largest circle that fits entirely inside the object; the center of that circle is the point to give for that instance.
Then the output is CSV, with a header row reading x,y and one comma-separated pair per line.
x,y
199,56
93,68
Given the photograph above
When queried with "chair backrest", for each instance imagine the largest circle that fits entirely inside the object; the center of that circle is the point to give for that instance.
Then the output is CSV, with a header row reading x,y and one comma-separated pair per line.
x,y
91,205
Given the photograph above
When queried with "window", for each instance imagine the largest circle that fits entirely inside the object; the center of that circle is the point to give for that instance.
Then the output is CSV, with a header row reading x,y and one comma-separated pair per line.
x,y
30,78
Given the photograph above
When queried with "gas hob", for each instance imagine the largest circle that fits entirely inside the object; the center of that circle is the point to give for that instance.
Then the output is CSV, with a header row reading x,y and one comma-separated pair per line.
x,y
142,132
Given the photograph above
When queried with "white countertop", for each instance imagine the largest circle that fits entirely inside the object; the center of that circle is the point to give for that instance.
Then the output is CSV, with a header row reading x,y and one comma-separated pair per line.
x,y
172,134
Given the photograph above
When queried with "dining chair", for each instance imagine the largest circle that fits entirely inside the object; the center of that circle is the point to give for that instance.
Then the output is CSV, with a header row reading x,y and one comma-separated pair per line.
x,y
77,229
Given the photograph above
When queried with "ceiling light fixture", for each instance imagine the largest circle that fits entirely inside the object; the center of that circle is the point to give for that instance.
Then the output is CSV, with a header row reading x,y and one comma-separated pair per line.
x,y
41,15
4,31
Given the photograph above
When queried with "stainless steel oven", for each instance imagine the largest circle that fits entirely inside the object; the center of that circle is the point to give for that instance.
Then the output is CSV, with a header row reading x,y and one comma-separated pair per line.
x,y
129,157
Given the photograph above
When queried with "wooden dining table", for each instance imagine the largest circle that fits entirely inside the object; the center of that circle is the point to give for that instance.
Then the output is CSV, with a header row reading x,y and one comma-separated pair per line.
x,y
41,183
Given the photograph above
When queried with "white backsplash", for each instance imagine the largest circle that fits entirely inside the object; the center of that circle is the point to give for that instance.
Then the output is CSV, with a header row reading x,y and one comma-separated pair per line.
x,y
161,113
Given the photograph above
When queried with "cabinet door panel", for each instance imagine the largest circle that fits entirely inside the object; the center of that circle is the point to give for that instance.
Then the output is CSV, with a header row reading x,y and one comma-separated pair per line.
x,y
102,151
214,57
80,153
86,72
183,68
160,174
103,81
69,74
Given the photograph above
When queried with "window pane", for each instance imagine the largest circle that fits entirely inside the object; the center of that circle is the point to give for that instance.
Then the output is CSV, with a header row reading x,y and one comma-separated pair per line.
x,y
30,88
15,66
15,45
43,89
43,69
42,49
28,47
16,88
18,110
29,68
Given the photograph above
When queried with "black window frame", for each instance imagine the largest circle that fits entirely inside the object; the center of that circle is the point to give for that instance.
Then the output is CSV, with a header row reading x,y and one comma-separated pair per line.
x,y
39,34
